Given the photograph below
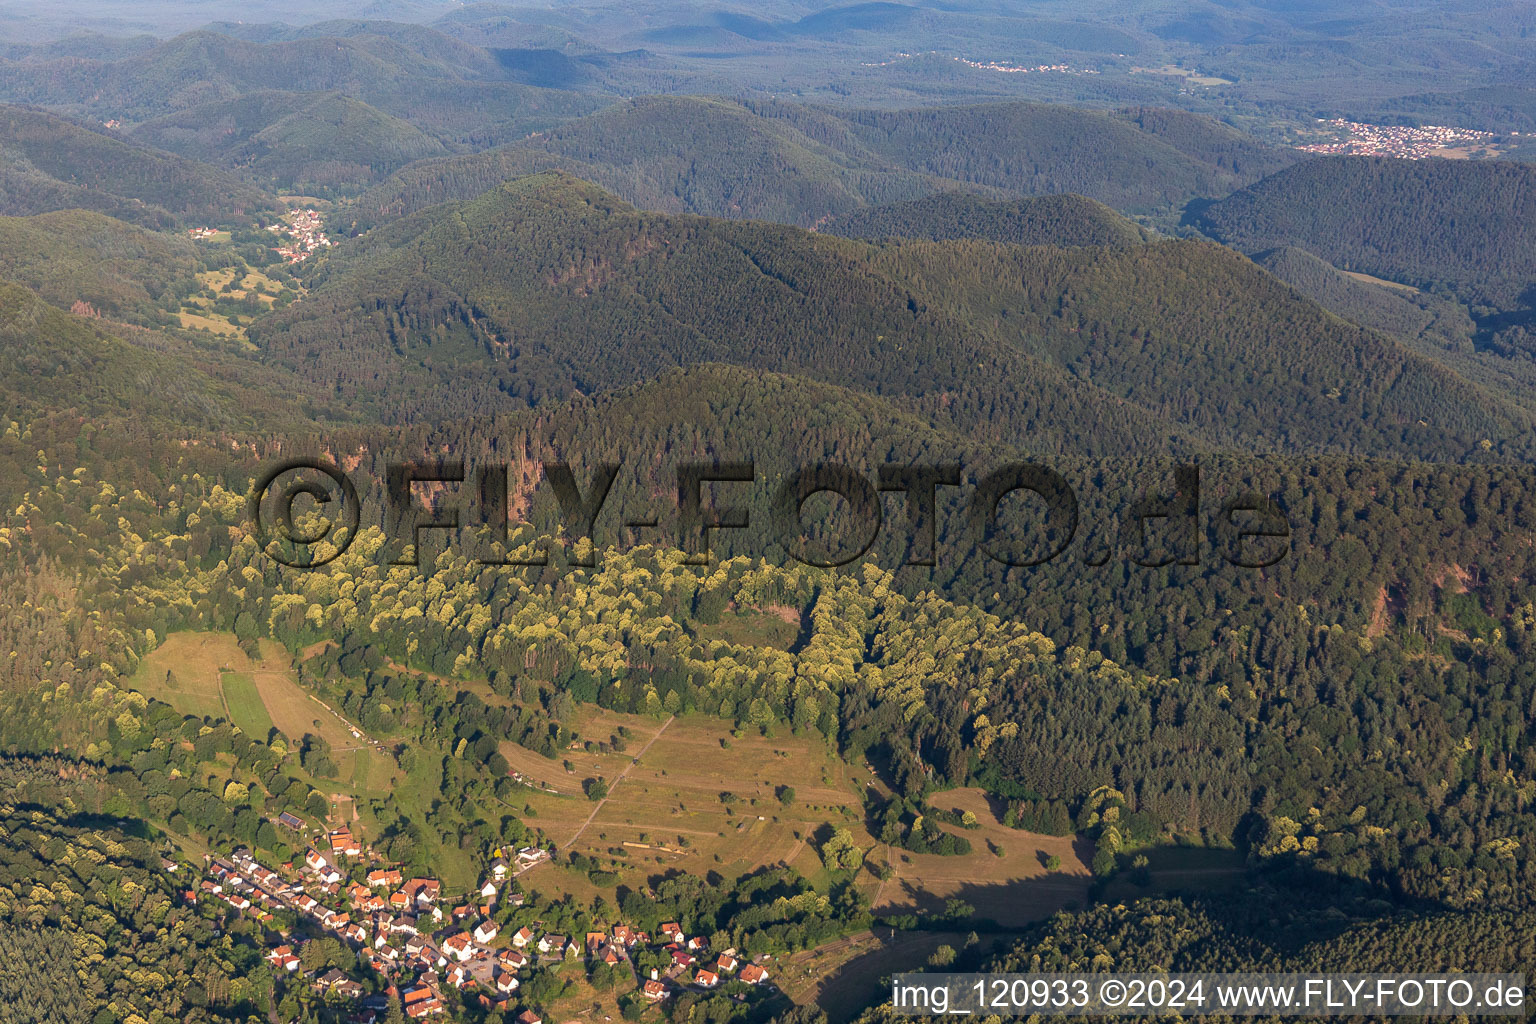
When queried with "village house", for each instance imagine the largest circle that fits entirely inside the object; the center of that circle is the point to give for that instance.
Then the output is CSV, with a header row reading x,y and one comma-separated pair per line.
x,y
671,932
706,978
421,1000
511,959
529,1017
726,964
654,990
461,946
283,959
342,843
752,974
337,982
424,891
499,869
387,878
522,937
485,931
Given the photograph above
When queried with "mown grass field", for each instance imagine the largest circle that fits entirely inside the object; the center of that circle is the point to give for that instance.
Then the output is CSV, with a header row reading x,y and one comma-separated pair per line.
x,y
245,704
185,672
666,810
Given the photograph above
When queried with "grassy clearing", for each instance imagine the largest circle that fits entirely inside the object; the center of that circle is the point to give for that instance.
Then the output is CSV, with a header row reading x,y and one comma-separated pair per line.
x,y
1380,282
217,281
752,627
184,672
208,323
1190,76
668,815
245,705
1013,886
668,812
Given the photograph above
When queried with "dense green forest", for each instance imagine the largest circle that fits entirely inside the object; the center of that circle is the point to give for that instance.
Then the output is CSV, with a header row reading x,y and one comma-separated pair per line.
x,y
797,164
1045,220
48,163
1401,312
449,89
114,268
293,141
1464,226
1393,647
1257,931
520,297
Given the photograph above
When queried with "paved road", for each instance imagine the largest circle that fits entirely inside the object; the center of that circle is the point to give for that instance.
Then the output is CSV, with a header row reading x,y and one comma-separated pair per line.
x,y
615,783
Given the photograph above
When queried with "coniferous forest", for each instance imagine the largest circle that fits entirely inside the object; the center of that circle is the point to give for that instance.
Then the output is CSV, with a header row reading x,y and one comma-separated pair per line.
x,y
513,514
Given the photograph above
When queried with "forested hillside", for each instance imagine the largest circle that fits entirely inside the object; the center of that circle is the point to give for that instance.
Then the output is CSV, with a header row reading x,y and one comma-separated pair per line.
x,y
520,296
680,154
292,140
1466,226
1405,312
48,163
1188,691
1174,610
798,164
1045,220
114,268
93,925
447,88
1257,931
1167,325
74,371
1034,149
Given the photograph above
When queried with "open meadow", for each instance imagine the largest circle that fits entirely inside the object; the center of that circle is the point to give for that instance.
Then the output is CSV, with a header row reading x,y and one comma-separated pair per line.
x,y
686,795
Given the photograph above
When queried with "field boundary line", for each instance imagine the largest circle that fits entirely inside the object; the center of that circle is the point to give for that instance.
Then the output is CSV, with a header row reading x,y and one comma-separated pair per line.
x,y
616,780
